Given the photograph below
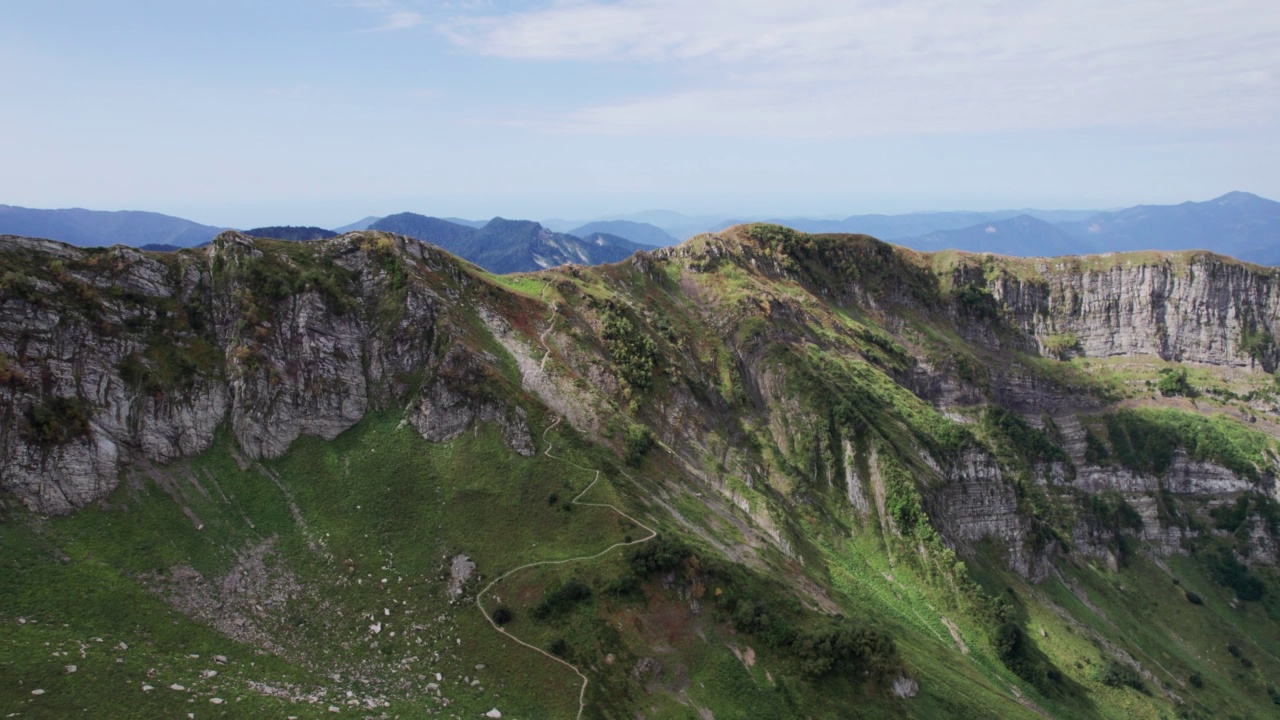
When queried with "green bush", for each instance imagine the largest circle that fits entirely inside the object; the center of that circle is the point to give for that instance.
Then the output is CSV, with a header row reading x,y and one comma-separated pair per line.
x,y
562,600
1231,517
1119,674
976,300
638,443
1017,654
1229,572
661,554
1113,512
839,646
58,420
634,353
1030,444
1173,382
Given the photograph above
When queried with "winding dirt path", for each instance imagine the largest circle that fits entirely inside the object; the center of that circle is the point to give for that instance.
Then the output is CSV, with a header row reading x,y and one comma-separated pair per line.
x,y
577,500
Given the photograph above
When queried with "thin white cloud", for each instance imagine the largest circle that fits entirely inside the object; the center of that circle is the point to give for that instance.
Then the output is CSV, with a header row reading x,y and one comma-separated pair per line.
x,y
391,15
814,68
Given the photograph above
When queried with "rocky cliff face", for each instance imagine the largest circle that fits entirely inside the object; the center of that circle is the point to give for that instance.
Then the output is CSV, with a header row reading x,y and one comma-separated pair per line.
x,y
1193,307
115,355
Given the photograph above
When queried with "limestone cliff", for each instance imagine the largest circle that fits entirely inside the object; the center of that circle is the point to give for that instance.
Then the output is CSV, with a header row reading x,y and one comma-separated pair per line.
x,y
115,355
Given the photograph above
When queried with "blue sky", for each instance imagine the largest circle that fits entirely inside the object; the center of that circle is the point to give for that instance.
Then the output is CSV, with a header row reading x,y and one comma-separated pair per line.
x,y
320,112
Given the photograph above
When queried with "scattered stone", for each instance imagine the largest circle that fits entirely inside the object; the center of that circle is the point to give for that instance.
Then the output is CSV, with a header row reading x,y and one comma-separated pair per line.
x,y
37,692
493,713
460,571
216,701
220,659
480,666
147,688
123,646
70,669
177,687
208,673
334,709
375,628
905,687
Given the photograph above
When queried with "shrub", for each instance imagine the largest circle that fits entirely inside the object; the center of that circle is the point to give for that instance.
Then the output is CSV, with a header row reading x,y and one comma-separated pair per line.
x,y
1029,443
58,420
1173,382
1118,674
633,352
638,443
626,586
1229,572
559,647
1016,653
839,646
503,615
1195,680
977,301
562,600
661,554
1194,599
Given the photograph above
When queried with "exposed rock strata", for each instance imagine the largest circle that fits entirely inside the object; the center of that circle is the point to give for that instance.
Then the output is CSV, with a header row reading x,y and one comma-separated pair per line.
x,y
281,368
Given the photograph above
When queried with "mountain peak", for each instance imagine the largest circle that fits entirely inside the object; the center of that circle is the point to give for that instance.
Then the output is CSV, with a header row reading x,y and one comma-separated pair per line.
x,y
1239,197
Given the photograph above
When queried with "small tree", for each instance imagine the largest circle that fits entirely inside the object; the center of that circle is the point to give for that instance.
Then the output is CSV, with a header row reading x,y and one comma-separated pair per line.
x,y
503,615
1174,383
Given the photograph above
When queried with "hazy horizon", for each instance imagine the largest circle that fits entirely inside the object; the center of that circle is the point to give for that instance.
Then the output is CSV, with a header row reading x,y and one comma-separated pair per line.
x,y
295,112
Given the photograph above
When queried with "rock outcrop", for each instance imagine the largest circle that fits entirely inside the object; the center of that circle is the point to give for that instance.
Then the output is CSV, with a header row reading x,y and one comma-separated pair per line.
x,y
1194,307
114,355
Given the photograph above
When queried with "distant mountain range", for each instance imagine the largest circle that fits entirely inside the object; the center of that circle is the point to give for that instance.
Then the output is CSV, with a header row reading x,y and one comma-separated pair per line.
x,y
1239,224
636,232
894,227
504,246
361,224
96,227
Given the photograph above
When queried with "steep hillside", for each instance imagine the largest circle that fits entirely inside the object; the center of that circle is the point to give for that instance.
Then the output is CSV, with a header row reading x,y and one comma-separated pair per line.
x,y
759,474
96,228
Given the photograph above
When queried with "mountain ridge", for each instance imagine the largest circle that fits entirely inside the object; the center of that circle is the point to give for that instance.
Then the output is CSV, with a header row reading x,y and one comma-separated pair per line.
x,y
886,473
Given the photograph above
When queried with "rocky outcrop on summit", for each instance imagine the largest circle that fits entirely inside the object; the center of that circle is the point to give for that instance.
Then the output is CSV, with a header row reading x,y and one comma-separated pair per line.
x,y
108,356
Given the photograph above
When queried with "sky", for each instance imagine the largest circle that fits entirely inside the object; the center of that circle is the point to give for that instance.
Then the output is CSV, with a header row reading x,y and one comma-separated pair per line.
x,y
319,112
